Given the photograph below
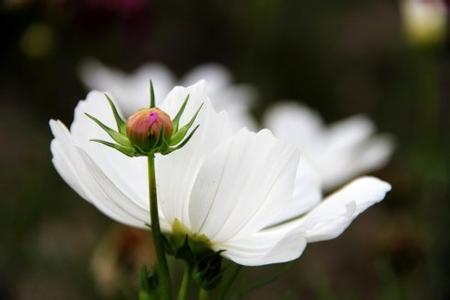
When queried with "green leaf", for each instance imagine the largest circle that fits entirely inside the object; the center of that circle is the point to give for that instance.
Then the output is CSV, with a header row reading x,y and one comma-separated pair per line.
x,y
116,136
152,95
128,151
176,120
121,126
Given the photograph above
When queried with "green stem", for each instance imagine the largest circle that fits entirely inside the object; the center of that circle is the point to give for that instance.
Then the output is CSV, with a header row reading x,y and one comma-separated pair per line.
x,y
161,265
229,283
203,294
187,276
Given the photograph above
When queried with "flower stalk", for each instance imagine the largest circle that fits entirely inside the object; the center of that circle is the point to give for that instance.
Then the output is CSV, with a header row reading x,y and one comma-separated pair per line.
x,y
185,282
162,268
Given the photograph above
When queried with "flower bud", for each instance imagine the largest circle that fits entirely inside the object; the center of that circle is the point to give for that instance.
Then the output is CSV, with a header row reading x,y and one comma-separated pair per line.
x,y
144,127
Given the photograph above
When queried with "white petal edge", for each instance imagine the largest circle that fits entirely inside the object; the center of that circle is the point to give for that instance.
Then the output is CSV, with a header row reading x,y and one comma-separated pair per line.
x,y
65,151
307,192
270,246
331,217
129,174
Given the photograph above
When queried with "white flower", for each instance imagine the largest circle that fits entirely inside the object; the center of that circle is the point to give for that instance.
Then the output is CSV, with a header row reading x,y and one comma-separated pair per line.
x,y
340,151
424,21
132,89
230,186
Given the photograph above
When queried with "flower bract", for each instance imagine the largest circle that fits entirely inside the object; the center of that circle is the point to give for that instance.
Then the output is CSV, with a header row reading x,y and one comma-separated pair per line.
x,y
340,151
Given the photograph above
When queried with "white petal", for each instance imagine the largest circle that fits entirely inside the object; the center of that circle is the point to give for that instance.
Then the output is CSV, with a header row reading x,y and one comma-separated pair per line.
x,y
130,90
197,96
177,171
307,192
330,218
65,168
79,177
265,247
113,193
129,174
237,101
242,185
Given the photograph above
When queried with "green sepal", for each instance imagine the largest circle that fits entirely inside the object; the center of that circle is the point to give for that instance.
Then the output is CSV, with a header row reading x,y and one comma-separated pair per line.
x,y
181,133
164,146
161,139
184,142
152,95
185,252
116,136
128,151
196,250
121,125
160,145
177,137
208,271
148,284
176,120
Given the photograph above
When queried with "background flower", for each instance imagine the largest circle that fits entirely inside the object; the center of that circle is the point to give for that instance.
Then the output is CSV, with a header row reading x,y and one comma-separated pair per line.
x,y
132,89
340,151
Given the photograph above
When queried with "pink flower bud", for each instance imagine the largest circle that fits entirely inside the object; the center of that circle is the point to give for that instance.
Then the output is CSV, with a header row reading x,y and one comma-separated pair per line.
x,y
144,127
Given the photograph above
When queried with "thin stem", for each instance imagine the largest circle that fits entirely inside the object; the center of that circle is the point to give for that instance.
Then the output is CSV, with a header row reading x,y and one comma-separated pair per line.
x,y
229,283
161,265
203,294
184,288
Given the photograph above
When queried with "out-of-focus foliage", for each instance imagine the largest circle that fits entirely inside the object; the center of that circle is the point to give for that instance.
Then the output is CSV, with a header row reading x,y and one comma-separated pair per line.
x,y
339,57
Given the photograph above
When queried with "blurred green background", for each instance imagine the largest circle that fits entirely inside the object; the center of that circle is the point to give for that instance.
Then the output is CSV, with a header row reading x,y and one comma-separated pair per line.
x,y
339,57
